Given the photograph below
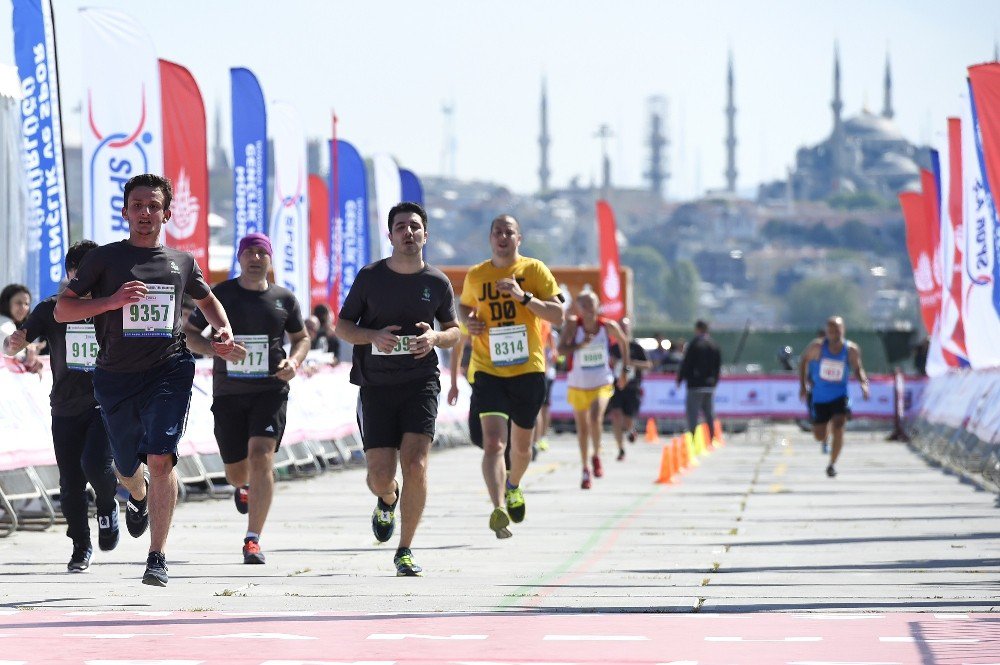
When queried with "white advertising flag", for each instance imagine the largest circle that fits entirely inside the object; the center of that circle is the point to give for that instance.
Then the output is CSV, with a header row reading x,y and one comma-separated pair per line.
x,y
388,190
289,227
122,132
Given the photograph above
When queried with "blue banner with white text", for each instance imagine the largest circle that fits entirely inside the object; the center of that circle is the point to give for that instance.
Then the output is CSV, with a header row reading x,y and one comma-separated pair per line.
x,y
352,216
410,187
41,133
250,211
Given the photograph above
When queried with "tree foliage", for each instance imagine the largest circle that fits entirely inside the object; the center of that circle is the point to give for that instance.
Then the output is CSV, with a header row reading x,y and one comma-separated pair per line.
x,y
812,301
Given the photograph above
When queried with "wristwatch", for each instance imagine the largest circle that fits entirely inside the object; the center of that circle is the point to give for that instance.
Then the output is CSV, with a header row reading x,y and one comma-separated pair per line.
x,y
528,295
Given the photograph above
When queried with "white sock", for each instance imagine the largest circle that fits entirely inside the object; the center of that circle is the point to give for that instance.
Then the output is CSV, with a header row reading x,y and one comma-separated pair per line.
x,y
252,535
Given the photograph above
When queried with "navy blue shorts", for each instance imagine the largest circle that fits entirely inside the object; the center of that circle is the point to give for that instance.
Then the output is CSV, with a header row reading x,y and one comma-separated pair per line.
x,y
145,412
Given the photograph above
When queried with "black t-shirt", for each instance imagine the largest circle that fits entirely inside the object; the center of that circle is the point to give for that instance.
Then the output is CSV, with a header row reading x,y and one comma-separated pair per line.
x,y
72,384
635,352
380,297
145,334
253,314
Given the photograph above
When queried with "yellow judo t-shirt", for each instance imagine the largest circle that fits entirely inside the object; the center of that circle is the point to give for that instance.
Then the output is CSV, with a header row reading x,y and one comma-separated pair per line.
x,y
512,343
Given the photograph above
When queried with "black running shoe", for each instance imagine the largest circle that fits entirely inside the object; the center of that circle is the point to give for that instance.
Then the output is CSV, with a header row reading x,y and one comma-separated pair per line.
x,y
137,514
631,436
621,454
251,551
384,519
107,530
156,570
831,472
80,560
242,498
404,563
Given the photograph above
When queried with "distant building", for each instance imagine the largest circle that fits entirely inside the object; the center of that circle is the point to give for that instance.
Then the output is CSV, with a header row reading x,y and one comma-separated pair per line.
x,y
865,153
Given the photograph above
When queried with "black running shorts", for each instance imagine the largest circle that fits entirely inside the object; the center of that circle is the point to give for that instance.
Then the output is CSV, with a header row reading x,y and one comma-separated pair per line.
x,y
385,413
239,417
518,397
823,412
628,401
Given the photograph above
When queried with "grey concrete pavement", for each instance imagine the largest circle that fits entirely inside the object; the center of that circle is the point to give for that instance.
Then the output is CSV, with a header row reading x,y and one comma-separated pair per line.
x,y
758,526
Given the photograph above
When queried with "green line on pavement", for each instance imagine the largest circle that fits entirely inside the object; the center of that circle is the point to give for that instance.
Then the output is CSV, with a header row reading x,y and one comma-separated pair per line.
x,y
525,590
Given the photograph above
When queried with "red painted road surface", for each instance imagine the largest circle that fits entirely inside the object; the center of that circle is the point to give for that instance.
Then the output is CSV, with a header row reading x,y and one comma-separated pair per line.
x,y
210,638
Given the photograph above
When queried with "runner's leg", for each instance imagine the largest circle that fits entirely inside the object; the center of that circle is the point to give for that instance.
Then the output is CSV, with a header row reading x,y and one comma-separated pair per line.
x,y
494,442
162,499
261,480
413,455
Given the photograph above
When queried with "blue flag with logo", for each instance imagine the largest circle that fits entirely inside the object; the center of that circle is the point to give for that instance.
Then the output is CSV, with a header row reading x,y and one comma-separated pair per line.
x,y
410,186
250,210
41,134
351,228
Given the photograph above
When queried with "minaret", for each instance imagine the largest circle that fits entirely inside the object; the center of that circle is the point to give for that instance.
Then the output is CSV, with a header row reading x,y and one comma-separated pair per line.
x,y
837,139
604,133
730,131
887,111
219,159
543,145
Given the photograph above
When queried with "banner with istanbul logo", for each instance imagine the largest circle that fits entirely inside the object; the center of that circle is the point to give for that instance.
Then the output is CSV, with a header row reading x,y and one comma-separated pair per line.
x,y
612,305
319,241
920,246
289,227
185,162
122,134
980,307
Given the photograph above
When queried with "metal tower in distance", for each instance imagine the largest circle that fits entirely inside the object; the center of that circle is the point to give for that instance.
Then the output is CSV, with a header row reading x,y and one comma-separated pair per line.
x,y
604,133
658,171
730,130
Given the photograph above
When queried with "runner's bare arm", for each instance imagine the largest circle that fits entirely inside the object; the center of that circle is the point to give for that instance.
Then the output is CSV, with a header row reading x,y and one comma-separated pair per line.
x,y
196,341
854,357
454,365
622,338
223,343
549,309
811,353
17,342
288,367
566,344
384,340
473,323
72,307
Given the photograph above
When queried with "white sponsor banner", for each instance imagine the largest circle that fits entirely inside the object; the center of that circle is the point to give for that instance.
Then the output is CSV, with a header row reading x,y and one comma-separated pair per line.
x,y
122,121
289,227
775,397
322,405
982,325
388,190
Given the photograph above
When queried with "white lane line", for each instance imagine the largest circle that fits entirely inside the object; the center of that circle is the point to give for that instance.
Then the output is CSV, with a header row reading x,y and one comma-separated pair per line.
x,y
96,613
13,662
254,636
947,640
5,613
115,636
505,662
329,662
415,636
680,662
288,613
836,617
845,662
951,617
595,638
780,639
144,662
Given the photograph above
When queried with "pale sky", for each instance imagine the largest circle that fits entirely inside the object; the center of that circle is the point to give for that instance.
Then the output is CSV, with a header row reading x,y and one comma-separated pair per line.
x,y
388,66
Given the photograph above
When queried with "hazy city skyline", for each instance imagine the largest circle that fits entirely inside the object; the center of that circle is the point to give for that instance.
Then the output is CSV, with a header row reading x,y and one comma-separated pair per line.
x,y
389,68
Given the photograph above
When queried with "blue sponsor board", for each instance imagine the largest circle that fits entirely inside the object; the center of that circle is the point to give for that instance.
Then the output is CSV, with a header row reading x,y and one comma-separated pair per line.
x,y
410,187
41,132
249,158
352,216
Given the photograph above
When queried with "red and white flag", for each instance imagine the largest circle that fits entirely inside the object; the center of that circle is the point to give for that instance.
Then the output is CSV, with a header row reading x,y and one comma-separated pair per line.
x,y
612,302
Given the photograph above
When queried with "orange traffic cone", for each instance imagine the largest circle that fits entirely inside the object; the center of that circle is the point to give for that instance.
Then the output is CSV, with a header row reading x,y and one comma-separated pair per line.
x,y
705,431
684,453
666,472
652,436
718,440
675,454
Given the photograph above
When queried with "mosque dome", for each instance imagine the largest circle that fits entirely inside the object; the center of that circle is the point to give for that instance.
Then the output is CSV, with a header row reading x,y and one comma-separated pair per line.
x,y
867,126
894,164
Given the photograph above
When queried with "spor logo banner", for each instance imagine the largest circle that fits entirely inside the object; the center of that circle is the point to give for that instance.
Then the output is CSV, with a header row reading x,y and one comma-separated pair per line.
x,y
41,133
249,116
289,230
122,133
351,228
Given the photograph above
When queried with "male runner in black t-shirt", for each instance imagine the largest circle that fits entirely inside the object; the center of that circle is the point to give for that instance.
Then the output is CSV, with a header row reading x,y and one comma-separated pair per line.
x,y
250,397
389,315
79,439
144,372
624,404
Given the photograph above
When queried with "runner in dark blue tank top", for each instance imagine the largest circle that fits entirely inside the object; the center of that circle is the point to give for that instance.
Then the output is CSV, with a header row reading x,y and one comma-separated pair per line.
x,y
826,380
